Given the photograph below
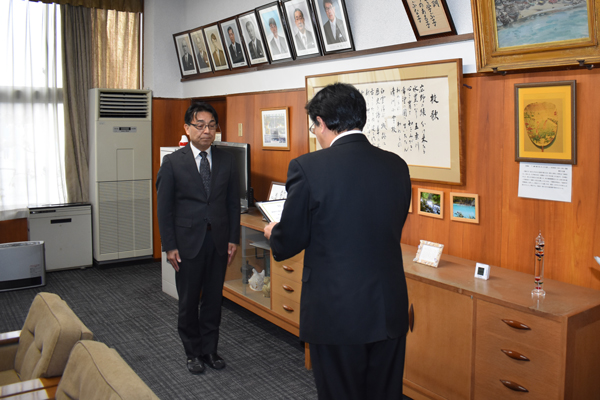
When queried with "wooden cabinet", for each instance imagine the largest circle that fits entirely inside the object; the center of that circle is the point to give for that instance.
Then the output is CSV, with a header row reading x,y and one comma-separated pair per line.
x,y
466,341
286,286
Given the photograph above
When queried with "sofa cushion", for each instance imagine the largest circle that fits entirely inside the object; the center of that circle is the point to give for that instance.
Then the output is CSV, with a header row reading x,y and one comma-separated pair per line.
x,y
8,377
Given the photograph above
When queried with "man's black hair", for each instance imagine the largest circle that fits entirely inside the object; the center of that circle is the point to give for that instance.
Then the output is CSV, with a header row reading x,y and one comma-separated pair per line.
x,y
340,106
197,107
230,29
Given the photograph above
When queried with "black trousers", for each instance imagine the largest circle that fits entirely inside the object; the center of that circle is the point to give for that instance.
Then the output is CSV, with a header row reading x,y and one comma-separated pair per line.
x,y
205,273
359,372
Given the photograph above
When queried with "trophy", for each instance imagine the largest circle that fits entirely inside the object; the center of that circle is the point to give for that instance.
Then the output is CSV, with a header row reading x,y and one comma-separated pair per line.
x,y
538,270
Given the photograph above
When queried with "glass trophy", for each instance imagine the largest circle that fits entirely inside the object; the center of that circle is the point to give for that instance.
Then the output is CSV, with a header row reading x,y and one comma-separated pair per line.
x,y
538,270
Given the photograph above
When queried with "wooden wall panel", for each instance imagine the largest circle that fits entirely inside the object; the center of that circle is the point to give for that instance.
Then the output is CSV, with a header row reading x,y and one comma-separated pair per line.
x,y
13,230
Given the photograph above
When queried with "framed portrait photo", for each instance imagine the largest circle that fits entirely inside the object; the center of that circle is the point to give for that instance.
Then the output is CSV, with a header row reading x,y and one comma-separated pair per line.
x,y
431,203
274,32
429,19
253,39
233,40
215,46
200,51
183,45
465,207
332,20
275,128
302,28
545,122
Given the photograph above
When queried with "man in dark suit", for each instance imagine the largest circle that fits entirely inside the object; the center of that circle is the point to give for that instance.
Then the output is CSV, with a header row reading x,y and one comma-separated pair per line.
x,y
198,206
235,49
304,38
186,58
334,27
346,206
255,46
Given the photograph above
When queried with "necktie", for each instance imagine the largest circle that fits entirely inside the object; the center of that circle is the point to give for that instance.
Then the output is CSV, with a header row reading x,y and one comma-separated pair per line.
x,y
205,171
252,51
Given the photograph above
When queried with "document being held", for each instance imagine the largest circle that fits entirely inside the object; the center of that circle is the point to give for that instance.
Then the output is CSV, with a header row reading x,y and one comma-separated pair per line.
x,y
271,210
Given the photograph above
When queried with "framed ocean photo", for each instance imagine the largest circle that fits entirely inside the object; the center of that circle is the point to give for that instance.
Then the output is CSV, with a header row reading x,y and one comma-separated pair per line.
x,y
464,207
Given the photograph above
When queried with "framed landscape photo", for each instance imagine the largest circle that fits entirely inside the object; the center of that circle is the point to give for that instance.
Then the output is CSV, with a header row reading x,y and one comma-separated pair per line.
x,y
183,46
303,32
531,34
200,51
431,203
275,128
253,39
334,28
233,41
274,32
545,122
429,18
215,45
465,207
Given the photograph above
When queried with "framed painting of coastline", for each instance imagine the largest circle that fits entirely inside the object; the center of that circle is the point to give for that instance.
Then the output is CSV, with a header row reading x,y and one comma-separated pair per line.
x,y
429,18
513,35
465,207
545,122
431,203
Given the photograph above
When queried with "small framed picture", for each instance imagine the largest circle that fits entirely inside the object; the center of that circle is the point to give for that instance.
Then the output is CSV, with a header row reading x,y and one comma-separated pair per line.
x,y
332,20
465,207
410,204
253,40
302,28
233,41
200,52
215,44
429,19
429,253
275,32
275,128
183,45
431,203
277,191
546,122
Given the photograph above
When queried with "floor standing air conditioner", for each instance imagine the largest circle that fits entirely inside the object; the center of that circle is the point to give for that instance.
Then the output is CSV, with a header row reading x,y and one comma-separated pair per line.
x,y
121,173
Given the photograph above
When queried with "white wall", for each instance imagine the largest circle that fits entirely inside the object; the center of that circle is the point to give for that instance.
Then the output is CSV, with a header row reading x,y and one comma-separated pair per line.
x,y
374,23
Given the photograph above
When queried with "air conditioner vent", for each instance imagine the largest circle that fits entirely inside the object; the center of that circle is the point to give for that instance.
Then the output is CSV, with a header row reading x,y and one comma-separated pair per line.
x,y
124,104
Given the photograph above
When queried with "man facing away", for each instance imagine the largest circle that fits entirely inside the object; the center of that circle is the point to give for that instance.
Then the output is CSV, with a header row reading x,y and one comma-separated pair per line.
x,y
198,206
346,206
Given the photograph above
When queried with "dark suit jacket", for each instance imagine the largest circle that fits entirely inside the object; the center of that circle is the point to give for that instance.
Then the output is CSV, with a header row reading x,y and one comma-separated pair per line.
x,y
310,41
256,51
184,209
334,37
346,206
237,54
187,61
203,60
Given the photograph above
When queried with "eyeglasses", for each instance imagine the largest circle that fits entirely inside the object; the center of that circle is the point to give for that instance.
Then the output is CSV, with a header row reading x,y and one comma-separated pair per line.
x,y
312,128
202,127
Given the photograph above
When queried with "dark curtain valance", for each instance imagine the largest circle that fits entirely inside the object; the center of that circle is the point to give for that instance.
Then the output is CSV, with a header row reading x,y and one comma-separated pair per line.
x,y
119,5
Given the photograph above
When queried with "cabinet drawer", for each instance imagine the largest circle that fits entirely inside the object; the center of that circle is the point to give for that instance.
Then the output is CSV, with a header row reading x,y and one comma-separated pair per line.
x,y
290,268
286,307
541,344
287,288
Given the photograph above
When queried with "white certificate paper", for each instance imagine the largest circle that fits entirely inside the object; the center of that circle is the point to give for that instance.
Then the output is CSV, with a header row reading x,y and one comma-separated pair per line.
x,y
546,181
271,210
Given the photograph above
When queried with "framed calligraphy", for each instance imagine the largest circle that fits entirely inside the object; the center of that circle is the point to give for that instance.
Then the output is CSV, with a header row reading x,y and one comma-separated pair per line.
x,y
531,34
429,18
545,122
412,110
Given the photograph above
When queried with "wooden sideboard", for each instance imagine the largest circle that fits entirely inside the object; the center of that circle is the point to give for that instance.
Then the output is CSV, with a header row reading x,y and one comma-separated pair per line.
x,y
463,344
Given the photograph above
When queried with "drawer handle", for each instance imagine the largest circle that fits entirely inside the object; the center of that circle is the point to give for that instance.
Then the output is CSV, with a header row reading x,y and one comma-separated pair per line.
x,y
288,288
515,355
513,386
288,308
411,318
288,269
515,324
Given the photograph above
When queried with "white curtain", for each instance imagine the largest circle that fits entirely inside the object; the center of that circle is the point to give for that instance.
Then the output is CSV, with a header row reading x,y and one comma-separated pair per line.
x,y
31,107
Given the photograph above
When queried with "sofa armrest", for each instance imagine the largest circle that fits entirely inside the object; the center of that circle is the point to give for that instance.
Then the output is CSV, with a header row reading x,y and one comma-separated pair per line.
x,y
31,385
9,343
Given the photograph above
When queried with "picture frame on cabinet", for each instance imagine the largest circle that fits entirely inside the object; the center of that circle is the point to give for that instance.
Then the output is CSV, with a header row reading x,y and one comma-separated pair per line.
x,y
333,25
464,207
253,39
535,34
183,47
275,124
275,32
431,203
429,253
429,18
546,122
304,37
277,191
233,43
216,48
200,51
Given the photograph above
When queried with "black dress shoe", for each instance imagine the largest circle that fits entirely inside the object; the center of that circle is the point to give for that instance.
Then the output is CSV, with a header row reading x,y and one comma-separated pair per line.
x,y
195,366
214,361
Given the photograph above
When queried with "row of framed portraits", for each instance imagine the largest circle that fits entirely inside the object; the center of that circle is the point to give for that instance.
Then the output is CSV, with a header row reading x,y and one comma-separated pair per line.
x,y
464,207
276,32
